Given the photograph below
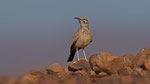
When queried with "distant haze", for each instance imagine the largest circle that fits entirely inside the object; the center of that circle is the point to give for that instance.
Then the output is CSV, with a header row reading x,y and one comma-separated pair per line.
x,y
36,33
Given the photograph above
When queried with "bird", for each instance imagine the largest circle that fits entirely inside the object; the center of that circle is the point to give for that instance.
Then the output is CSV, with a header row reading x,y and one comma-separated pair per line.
x,y
81,39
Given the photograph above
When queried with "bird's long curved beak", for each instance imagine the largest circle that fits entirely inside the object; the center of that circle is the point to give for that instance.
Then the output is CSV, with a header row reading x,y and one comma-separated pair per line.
x,y
76,18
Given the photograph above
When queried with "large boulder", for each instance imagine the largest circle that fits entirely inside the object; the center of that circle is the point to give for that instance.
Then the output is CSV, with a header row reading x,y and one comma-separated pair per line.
x,y
141,57
109,63
101,62
81,66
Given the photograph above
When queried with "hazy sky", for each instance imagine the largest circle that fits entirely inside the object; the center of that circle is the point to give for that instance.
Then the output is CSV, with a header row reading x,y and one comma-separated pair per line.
x,y
36,33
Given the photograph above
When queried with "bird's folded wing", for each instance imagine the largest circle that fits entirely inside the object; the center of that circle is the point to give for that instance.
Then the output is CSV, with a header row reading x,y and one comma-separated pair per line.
x,y
76,35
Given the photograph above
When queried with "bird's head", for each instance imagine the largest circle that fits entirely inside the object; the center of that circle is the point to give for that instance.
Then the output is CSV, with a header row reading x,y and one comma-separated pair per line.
x,y
82,20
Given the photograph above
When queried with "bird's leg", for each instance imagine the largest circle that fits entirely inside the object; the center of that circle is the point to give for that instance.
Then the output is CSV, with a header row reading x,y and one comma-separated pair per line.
x,y
77,54
84,55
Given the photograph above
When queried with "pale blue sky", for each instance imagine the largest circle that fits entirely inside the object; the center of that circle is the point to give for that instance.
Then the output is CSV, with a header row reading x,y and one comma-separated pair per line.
x,y
36,33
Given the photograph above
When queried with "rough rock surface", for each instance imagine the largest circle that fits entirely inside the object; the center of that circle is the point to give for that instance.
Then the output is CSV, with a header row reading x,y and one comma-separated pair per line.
x,y
129,59
141,56
109,63
117,64
56,69
147,65
81,65
76,78
101,62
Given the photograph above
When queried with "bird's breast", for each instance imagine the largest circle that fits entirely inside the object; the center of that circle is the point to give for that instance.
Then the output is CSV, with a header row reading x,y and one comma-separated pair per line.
x,y
83,40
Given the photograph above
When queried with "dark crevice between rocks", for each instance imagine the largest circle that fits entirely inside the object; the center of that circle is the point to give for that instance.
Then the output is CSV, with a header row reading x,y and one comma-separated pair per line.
x,y
143,67
73,70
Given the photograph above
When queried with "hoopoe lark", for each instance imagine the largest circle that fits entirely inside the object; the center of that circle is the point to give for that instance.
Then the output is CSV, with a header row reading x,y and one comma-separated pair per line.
x,y
81,38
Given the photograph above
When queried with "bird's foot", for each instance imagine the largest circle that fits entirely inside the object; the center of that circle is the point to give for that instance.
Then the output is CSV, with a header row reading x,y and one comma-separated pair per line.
x,y
86,60
74,61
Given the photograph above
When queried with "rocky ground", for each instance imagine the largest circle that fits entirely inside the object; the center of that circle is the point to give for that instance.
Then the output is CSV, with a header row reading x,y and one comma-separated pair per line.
x,y
103,68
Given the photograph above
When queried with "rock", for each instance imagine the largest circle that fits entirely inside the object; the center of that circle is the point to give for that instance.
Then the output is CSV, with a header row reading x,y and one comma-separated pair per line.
x,y
126,80
92,72
82,72
22,81
33,77
76,78
56,69
102,74
147,65
137,72
49,80
129,59
37,77
117,64
93,60
111,64
125,72
115,79
101,62
140,57
81,65
3,80
50,72
129,56
38,72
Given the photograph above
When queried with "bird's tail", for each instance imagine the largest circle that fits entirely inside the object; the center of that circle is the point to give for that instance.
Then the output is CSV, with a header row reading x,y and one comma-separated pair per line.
x,y
72,53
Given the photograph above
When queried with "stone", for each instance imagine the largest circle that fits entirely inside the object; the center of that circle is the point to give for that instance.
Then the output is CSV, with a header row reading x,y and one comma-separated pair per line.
x,y
49,80
129,56
81,65
101,62
141,56
137,72
102,74
117,64
125,72
76,78
115,79
56,69
93,60
3,80
33,77
147,65
129,59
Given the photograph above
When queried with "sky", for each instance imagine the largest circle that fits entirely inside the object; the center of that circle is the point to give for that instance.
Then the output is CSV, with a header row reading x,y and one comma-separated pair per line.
x,y
37,33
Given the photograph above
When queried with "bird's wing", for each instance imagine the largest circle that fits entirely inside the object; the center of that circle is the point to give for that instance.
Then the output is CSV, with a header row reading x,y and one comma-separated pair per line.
x,y
91,36
73,47
76,35
72,52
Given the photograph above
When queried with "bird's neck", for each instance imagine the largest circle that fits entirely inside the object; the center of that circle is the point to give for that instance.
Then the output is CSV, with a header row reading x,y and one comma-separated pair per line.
x,y
84,28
